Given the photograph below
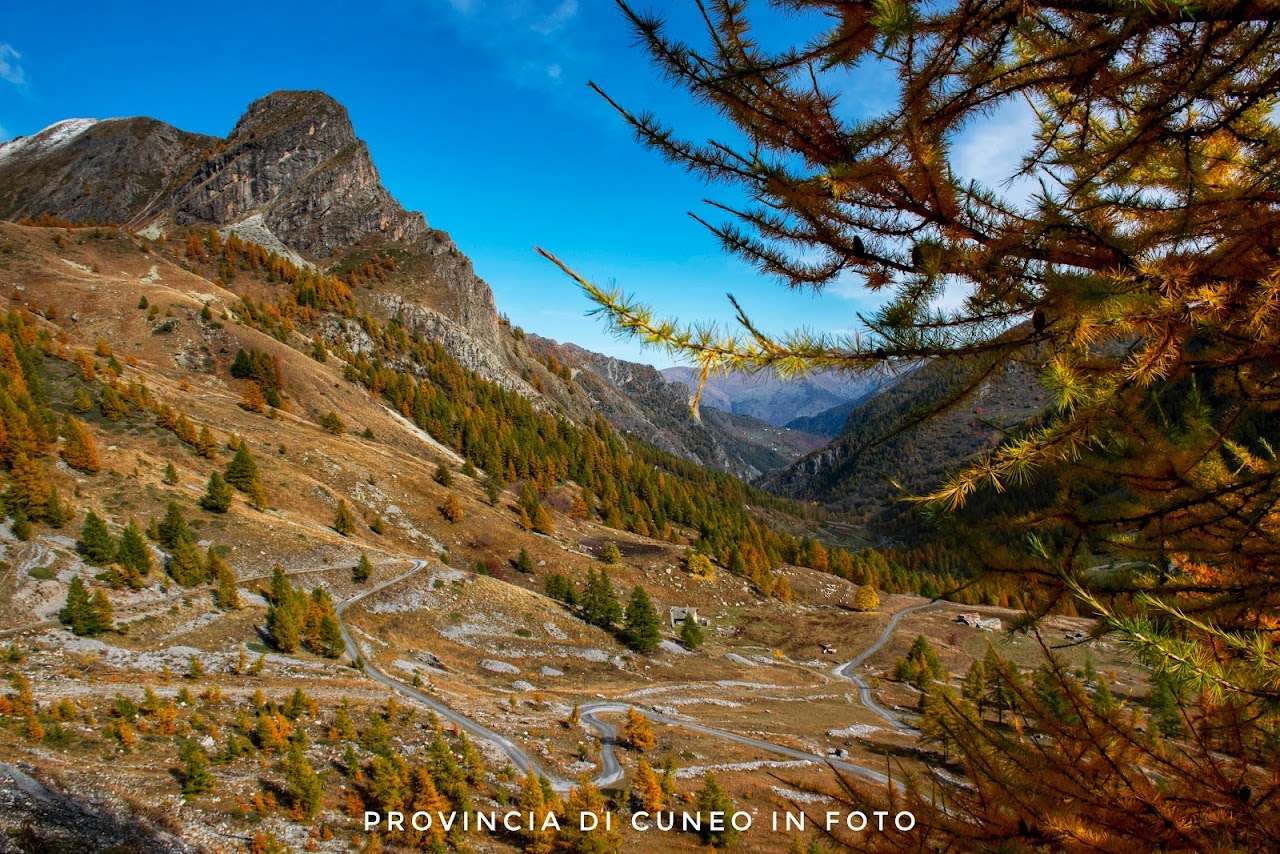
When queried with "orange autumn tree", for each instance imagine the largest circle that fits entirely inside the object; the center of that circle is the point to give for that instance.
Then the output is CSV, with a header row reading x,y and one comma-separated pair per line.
x,y
1135,273
79,449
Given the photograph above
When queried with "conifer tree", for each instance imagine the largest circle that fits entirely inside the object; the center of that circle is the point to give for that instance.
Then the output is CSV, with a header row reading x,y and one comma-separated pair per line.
x,y
343,522
641,627
101,614
637,732
363,569
542,521
184,564
81,402
217,494
712,798
28,488
444,477
242,471
173,527
451,509
170,474
132,551
524,563
76,612
196,779
95,541
251,397
303,786
206,443
691,634
586,798
226,590
282,622
79,450
112,404
610,555
56,514
531,802
646,790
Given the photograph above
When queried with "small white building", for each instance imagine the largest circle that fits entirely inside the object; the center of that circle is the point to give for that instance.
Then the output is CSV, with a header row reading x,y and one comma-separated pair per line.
x,y
679,615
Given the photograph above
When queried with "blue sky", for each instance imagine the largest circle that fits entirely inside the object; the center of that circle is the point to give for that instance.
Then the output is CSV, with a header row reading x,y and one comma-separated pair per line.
x,y
476,112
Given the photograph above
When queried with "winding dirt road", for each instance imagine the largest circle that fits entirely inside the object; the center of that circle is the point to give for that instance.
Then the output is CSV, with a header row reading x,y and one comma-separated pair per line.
x,y
611,771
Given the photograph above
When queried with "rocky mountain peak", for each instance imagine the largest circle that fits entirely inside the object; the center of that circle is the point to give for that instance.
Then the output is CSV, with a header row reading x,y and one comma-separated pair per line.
x,y
294,160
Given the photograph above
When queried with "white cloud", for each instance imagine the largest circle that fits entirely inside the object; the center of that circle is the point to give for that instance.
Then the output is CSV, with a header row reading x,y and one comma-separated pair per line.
x,y
561,15
991,150
10,70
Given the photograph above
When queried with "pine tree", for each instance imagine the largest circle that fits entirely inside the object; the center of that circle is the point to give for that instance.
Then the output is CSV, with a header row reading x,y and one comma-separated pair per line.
x,y
646,790
610,555
242,471
95,541
542,521
196,779
343,522
691,634
363,569
712,798
206,443
226,590
524,563
585,798
532,802
79,450
132,551
1166,716
329,642
641,627
112,404
282,622
173,527
76,612
170,474
27,487
444,477
81,402
56,514
217,495
184,564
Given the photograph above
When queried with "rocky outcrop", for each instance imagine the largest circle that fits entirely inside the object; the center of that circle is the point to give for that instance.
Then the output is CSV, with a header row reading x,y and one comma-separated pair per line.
x,y
294,158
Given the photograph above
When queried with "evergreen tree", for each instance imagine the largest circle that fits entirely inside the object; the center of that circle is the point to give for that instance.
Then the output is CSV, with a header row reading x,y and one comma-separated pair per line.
x,y
444,477
600,605
217,495
101,616
921,667
173,527
226,590
196,779
641,627
610,555
132,551
56,514
184,564
21,525
524,563
112,405
303,786
1165,712
363,569
343,522
329,642
206,443
242,471
691,634
76,613
170,474
586,798
282,622
95,541
713,798
281,589
560,588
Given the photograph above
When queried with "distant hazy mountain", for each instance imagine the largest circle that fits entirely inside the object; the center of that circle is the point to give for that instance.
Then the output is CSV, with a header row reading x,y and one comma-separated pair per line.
x,y
779,402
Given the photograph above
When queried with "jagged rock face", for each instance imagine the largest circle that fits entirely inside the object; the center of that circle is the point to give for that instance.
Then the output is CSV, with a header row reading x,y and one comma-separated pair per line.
x,y
294,158
119,170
